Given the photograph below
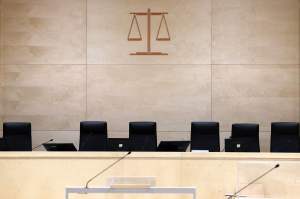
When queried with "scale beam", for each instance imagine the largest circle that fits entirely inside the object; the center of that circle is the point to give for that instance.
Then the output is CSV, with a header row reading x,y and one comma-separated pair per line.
x,y
146,13
148,53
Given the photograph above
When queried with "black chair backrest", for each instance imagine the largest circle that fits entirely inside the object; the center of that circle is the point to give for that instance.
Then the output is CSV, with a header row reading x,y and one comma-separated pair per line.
x,y
205,136
250,133
245,130
17,136
142,136
93,136
285,128
284,137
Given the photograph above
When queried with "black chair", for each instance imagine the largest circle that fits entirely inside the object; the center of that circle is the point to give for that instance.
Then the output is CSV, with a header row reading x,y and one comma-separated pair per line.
x,y
284,137
142,136
244,137
3,146
205,136
17,136
93,136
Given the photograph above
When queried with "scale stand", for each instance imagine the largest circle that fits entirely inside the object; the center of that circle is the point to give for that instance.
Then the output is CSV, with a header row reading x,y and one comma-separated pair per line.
x,y
149,14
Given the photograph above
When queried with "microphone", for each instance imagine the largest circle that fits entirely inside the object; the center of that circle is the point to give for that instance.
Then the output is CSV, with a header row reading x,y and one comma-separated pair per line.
x,y
41,144
253,181
105,169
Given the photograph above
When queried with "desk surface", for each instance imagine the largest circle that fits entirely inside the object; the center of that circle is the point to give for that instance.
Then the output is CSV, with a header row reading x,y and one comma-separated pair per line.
x,y
213,174
158,155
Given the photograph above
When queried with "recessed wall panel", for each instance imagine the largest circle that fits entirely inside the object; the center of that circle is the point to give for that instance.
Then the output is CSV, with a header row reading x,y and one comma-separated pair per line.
x,y
189,24
44,32
255,32
51,97
172,96
260,94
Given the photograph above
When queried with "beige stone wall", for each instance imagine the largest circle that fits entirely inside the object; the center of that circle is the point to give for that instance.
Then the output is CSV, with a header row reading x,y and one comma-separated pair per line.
x,y
63,61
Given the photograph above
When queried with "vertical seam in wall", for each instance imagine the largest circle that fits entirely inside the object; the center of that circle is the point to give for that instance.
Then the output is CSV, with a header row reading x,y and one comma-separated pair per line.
x,y
1,32
299,61
2,61
86,59
211,59
1,66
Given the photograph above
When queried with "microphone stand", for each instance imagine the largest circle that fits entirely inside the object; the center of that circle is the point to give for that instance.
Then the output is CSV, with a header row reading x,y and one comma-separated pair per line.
x,y
105,169
252,182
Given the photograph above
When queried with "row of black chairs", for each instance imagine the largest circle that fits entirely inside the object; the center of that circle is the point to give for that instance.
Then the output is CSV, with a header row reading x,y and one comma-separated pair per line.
x,y
143,137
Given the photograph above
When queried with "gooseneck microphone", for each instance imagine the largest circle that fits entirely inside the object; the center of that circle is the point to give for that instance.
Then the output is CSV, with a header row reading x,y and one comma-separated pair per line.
x,y
253,181
105,169
41,144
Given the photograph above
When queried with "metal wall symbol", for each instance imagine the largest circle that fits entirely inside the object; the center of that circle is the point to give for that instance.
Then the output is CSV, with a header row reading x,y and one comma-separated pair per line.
x,y
162,24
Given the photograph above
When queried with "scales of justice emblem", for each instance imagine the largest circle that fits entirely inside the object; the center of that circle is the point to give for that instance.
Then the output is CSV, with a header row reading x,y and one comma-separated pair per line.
x,y
163,23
